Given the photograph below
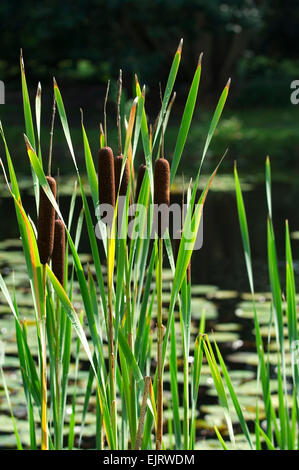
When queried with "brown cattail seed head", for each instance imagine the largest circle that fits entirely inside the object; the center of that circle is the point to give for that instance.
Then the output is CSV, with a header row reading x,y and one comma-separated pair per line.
x,y
161,191
141,173
58,254
46,223
106,176
161,181
123,186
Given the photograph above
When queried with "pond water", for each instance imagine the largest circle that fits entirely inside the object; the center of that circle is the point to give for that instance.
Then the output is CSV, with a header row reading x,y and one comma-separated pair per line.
x,y
220,287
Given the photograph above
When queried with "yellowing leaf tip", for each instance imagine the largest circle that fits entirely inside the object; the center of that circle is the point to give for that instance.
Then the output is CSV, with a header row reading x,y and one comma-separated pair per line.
x,y
180,47
28,145
200,59
21,59
228,83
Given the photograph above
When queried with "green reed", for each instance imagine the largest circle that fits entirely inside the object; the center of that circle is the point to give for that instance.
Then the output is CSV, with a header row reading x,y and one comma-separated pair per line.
x,y
116,291
279,427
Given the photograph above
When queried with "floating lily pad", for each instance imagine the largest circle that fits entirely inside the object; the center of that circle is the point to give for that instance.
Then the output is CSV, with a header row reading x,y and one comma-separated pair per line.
x,y
227,327
224,294
201,289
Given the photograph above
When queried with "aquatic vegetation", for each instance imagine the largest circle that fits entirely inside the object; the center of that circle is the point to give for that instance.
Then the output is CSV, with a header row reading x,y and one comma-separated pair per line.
x,y
276,419
108,305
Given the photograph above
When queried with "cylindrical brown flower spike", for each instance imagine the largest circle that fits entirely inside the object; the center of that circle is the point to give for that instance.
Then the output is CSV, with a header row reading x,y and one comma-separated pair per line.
x,y
58,254
123,186
46,223
141,173
161,189
106,176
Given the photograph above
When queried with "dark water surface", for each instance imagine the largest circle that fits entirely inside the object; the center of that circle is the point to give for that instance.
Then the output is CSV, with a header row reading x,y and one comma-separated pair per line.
x,y
219,263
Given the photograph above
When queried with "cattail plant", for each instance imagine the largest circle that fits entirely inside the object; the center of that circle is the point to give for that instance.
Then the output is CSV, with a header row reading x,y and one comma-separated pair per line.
x,y
106,183
161,196
46,223
45,243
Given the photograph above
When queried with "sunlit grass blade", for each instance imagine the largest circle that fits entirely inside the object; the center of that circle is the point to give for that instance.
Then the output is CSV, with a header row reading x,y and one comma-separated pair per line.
x,y
38,106
185,122
28,122
18,440
90,168
169,88
234,397
174,386
215,120
219,386
224,446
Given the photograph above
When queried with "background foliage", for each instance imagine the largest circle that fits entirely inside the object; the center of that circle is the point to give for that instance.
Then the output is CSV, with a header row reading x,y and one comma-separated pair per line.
x,y
87,40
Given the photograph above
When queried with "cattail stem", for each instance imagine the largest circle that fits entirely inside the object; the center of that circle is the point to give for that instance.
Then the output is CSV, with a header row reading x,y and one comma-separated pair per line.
x,y
119,92
105,112
44,366
58,263
59,437
186,402
138,441
51,135
112,377
159,349
161,197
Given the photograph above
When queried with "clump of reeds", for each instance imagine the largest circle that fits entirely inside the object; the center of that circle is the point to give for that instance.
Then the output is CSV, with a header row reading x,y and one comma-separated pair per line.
x,y
125,301
58,254
46,223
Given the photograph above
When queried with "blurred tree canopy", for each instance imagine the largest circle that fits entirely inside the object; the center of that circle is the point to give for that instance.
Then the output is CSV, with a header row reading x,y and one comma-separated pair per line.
x,y
90,39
